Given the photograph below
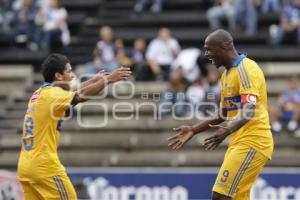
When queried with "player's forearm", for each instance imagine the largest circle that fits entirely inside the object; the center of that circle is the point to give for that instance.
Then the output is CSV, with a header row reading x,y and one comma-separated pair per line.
x,y
92,89
246,115
88,82
205,125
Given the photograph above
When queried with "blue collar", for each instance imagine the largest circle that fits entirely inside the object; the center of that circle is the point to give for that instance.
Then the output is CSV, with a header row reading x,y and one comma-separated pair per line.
x,y
237,61
45,84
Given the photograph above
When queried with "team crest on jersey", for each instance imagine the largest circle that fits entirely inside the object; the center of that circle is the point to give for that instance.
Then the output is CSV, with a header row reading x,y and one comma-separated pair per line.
x,y
30,110
229,90
35,96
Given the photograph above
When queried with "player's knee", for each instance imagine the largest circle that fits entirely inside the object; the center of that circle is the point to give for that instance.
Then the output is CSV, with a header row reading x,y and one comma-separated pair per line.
x,y
217,196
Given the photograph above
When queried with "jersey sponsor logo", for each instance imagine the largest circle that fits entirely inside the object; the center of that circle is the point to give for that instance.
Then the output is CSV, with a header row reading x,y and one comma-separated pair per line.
x,y
262,189
102,189
232,103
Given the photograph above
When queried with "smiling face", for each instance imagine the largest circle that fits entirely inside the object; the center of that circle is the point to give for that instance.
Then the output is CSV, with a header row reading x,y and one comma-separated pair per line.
x,y
214,52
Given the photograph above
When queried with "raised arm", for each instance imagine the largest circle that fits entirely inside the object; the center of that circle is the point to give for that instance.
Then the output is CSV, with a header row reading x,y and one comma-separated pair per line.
x,y
97,84
100,75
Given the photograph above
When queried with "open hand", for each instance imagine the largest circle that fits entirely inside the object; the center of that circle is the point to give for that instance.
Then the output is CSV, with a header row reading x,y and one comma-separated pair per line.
x,y
122,73
102,74
213,142
183,134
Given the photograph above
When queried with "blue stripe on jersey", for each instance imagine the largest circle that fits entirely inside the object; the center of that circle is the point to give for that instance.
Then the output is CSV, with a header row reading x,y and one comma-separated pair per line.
x,y
237,61
45,84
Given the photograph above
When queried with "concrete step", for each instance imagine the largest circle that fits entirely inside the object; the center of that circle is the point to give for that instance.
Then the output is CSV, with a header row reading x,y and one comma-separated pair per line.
x,y
132,122
281,69
132,140
110,140
149,158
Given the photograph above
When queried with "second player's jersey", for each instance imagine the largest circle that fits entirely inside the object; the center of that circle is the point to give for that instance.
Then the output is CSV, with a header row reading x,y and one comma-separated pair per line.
x,y
41,126
246,78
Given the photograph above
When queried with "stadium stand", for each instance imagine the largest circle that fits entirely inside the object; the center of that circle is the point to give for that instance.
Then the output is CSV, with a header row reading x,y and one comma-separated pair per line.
x,y
136,142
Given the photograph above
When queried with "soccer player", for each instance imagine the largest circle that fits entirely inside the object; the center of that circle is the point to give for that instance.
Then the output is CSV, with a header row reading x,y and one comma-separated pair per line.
x,y
243,115
40,172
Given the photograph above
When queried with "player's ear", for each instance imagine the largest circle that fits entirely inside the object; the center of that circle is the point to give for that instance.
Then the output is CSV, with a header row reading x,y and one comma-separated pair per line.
x,y
58,76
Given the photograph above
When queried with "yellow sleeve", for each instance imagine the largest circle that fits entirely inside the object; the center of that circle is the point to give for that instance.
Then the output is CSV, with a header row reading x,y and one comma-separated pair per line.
x,y
61,101
250,78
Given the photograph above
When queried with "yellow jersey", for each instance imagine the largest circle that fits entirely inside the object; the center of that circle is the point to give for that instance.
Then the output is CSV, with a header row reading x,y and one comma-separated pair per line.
x,y
246,78
41,126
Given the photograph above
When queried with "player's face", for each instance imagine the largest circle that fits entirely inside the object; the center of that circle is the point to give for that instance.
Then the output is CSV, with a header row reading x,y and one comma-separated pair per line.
x,y
212,52
64,80
68,73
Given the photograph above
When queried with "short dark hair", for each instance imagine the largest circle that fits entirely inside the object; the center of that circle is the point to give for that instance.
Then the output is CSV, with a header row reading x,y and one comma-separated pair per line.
x,y
54,63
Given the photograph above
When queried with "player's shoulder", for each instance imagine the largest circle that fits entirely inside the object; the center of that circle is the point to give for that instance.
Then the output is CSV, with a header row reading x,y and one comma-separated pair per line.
x,y
54,92
248,62
250,66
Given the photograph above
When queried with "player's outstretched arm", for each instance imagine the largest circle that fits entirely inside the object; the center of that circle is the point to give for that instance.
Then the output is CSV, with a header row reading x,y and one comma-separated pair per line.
x,y
185,133
100,75
98,84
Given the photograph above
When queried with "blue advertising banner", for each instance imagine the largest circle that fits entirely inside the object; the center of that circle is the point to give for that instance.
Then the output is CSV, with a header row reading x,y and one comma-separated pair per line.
x,y
176,184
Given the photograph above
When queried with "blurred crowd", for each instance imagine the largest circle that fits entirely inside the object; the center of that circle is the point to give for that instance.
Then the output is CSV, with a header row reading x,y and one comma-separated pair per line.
x,y
285,114
185,70
245,14
242,16
38,24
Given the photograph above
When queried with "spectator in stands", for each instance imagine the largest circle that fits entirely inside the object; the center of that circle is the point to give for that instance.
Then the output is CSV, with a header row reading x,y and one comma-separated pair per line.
x,y
212,91
106,50
94,66
189,65
246,15
40,20
287,111
185,71
270,5
56,27
141,69
289,24
23,23
174,101
161,53
121,54
155,7
44,5
196,95
223,9
6,15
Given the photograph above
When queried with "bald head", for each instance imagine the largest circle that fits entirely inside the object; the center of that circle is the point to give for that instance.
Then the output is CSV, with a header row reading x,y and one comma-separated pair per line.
x,y
220,37
219,48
